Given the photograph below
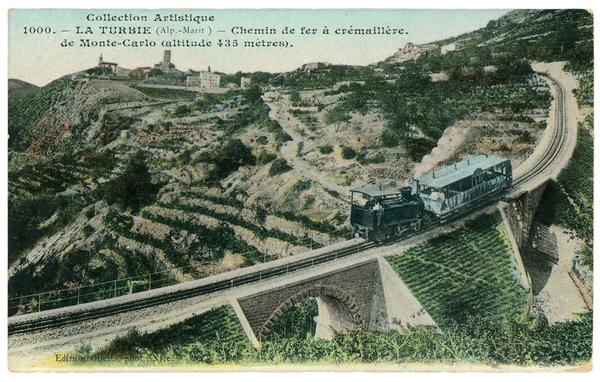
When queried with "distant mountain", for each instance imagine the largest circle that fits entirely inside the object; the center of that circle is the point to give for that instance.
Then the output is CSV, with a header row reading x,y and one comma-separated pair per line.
x,y
18,89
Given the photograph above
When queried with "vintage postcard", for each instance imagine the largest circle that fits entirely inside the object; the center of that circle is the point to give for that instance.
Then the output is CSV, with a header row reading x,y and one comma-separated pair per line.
x,y
300,190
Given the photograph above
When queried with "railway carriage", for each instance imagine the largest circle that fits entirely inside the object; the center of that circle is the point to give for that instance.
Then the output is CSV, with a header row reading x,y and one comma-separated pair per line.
x,y
379,213
454,186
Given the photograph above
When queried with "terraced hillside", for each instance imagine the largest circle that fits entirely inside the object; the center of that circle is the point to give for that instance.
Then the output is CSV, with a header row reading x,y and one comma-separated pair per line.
x,y
151,189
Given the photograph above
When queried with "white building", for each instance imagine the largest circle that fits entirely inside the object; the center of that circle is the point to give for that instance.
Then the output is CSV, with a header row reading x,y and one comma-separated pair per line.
x,y
203,80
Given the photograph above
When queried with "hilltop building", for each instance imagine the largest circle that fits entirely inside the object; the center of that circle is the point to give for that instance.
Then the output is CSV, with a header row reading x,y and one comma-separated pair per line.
x,y
104,64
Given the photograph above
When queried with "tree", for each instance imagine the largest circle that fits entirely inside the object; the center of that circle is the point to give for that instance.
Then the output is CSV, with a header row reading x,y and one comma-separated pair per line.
x,y
154,72
229,157
137,75
389,138
234,154
337,116
133,188
260,78
253,94
295,97
279,166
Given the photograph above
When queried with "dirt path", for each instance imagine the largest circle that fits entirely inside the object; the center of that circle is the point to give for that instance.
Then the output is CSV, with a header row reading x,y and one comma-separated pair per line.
x,y
280,113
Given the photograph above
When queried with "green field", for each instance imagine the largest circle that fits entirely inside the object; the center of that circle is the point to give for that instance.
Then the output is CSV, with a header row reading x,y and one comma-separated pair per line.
x,y
463,273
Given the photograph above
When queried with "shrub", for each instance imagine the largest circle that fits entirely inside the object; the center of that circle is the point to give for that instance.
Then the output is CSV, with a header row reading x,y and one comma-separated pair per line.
x,y
262,140
229,157
90,213
181,111
264,158
300,148
87,230
295,97
253,94
348,152
234,154
279,166
117,222
302,185
326,149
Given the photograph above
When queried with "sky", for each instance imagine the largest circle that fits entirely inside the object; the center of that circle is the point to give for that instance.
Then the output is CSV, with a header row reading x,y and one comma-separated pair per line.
x,y
39,58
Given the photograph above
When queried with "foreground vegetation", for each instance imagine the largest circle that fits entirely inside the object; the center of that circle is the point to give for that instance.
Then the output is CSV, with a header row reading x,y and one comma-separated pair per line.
x,y
101,193
216,337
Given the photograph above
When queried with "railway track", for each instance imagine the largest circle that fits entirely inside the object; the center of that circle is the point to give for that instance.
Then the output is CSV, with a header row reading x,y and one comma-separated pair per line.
x,y
33,321
557,141
43,320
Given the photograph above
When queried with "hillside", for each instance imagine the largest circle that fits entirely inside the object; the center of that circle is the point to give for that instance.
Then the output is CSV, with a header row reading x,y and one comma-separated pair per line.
x,y
18,89
539,35
114,179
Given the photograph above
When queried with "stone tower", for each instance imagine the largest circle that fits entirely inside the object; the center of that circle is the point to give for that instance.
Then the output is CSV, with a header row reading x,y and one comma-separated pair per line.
x,y
166,59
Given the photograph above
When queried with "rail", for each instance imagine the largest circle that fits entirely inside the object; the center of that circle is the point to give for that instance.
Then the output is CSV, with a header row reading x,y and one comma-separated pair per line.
x,y
556,144
44,322
80,294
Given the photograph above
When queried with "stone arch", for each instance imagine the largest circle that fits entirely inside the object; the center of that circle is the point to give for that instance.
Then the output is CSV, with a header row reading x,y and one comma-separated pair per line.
x,y
324,291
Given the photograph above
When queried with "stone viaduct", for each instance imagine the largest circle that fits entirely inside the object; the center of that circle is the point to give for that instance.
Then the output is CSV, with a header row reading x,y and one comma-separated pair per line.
x,y
365,295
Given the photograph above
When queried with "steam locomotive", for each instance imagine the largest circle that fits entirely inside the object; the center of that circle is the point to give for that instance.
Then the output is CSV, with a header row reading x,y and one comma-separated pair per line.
x,y
379,213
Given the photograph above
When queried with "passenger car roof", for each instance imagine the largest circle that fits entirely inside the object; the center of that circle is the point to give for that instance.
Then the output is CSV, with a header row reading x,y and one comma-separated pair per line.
x,y
459,170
